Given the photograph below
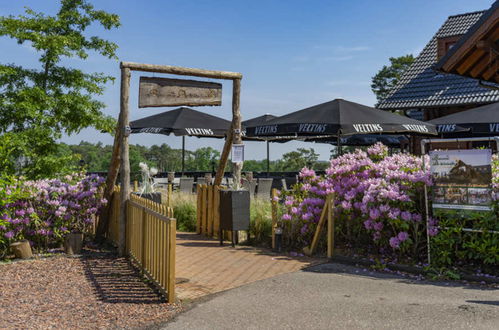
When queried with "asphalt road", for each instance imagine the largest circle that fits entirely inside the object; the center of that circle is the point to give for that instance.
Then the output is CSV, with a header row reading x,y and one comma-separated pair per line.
x,y
333,296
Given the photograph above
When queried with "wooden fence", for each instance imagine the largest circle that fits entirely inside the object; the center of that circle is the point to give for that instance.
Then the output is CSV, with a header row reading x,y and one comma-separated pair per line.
x,y
208,210
150,239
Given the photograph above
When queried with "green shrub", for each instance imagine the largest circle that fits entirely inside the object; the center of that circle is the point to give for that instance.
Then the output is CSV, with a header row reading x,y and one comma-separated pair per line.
x,y
453,245
184,210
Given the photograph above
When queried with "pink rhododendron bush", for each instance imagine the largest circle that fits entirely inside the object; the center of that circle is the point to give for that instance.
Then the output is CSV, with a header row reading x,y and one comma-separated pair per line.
x,y
379,201
44,211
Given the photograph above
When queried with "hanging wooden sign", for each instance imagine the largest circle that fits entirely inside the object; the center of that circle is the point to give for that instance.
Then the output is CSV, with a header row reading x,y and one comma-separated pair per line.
x,y
166,92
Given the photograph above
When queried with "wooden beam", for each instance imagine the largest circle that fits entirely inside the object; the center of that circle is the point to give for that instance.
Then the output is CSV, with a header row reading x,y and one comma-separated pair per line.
x,y
236,124
181,70
479,66
125,161
491,70
224,157
469,61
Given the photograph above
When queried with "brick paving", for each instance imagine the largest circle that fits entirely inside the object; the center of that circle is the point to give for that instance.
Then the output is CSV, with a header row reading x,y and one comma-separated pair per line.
x,y
204,267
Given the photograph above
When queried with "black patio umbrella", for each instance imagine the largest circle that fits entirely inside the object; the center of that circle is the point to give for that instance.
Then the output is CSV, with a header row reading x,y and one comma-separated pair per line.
x,y
365,140
480,121
339,118
183,122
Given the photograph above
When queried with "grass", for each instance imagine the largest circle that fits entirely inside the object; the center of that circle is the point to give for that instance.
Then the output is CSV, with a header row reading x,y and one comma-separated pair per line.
x,y
261,221
184,210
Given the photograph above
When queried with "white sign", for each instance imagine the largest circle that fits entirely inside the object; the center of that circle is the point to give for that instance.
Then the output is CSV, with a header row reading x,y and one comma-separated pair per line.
x,y
238,153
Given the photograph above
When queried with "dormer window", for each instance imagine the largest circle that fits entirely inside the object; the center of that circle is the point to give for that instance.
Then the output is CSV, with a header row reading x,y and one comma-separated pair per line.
x,y
444,44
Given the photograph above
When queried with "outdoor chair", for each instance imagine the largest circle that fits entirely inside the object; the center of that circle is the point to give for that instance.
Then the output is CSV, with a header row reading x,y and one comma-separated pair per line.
x,y
264,187
250,186
161,182
186,185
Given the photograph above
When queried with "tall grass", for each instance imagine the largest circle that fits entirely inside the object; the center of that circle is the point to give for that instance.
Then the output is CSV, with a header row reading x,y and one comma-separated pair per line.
x,y
261,221
184,210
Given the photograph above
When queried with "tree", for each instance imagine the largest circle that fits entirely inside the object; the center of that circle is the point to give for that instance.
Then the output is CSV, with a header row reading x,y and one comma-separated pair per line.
x,y
296,160
388,76
203,159
38,105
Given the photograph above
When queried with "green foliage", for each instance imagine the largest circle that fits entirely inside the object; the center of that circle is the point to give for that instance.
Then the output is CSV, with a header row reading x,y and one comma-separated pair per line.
x,y
38,105
10,191
261,221
454,245
203,159
296,160
388,76
184,208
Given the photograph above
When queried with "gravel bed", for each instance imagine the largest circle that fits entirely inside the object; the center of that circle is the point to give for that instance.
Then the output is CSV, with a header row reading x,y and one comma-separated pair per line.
x,y
94,291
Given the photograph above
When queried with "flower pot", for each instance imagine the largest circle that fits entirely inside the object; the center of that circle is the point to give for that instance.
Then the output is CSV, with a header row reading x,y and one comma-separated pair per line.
x,y
73,243
22,249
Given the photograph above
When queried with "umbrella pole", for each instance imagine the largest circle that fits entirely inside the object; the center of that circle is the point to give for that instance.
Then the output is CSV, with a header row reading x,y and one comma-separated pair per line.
x,y
338,145
183,155
268,159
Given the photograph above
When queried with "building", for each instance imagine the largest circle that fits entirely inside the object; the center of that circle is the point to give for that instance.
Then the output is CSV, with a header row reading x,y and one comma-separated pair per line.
x,y
433,94
476,53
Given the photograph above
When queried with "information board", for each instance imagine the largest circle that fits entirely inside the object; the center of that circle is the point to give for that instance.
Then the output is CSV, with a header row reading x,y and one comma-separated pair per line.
x,y
462,179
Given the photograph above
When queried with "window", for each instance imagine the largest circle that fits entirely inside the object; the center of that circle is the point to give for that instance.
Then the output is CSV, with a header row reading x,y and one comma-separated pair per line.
x,y
444,44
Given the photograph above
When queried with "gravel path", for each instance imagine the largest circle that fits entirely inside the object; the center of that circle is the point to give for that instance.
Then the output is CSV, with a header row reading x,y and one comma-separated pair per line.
x,y
94,291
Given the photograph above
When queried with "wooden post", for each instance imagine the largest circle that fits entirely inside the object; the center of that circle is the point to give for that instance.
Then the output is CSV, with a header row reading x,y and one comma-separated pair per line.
x,y
224,157
169,195
172,241
204,213
330,226
135,186
209,202
144,237
216,210
310,250
273,202
125,162
112,174
199,211
236,124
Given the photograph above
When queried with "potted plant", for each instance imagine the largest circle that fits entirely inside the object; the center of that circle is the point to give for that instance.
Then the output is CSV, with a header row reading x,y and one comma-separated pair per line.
x,y
148,186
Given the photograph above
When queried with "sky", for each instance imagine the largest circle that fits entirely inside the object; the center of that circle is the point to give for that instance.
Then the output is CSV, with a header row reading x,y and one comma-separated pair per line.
x,y
292,54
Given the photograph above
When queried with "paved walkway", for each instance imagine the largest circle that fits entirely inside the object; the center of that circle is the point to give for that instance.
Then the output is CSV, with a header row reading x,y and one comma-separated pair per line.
x,y
204,267
332,296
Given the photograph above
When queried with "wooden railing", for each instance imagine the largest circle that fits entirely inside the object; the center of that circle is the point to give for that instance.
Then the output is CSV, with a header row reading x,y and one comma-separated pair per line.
x,y
150,239
208,212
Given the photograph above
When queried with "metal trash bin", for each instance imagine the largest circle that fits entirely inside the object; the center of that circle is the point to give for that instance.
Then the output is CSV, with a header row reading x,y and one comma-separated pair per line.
x,y
234,212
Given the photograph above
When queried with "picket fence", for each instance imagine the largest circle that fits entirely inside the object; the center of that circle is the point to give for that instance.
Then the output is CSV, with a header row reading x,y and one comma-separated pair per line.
x,y
150,239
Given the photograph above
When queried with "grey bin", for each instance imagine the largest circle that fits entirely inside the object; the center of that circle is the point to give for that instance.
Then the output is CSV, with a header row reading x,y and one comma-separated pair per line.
x,y
234,211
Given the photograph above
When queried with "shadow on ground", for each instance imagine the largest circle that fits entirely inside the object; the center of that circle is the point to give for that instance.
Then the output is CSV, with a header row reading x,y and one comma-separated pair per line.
x,y
338,268
116,281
